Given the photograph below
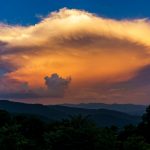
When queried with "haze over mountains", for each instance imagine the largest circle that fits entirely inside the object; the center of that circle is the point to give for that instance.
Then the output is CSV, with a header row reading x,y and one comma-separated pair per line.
x,y
126,108
102,116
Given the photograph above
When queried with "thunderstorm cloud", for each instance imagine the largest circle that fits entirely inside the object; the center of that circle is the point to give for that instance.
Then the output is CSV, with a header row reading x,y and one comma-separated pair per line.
x,y
103,57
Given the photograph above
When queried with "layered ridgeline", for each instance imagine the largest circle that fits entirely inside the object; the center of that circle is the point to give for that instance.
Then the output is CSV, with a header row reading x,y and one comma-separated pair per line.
x,y
131,109
101,117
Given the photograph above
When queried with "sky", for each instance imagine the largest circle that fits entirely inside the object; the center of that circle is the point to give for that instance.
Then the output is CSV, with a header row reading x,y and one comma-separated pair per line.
x,y
75,51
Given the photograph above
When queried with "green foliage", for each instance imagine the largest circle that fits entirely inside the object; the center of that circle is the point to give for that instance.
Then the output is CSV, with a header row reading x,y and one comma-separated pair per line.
x,y
107,139
144,126
11,138
135,143
76,133
146,117
5,118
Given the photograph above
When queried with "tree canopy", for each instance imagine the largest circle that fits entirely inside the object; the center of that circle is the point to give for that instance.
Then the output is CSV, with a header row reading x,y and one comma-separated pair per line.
x,y
21,132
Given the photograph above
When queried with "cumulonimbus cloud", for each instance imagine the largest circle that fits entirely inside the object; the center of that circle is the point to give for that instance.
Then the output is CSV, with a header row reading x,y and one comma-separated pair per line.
x,y
91,49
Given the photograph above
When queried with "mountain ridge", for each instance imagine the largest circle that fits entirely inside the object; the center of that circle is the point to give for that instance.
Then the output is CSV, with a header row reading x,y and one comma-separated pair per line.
x,y
101,117
132,109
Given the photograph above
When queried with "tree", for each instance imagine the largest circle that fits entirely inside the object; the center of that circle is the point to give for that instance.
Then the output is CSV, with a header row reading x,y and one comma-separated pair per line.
x,y
135,143
146,117
33,129
107,139
144,126
5,118
76,133
11,138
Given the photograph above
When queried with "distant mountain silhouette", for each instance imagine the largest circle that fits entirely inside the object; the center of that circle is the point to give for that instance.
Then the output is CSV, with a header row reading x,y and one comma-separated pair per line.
x,y
101,117
126,108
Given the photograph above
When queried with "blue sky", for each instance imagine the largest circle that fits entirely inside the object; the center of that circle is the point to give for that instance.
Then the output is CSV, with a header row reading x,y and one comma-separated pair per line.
x,y
26,11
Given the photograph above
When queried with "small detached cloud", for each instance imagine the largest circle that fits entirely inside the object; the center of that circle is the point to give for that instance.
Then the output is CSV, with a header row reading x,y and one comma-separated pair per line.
x,y
57,85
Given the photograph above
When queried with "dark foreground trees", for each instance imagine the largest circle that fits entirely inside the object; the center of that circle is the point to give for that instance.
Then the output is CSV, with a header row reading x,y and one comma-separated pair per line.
x,y
76,133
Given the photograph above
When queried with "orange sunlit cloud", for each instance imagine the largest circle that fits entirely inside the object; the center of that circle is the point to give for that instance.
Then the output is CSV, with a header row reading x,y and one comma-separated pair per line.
x,y
90,49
